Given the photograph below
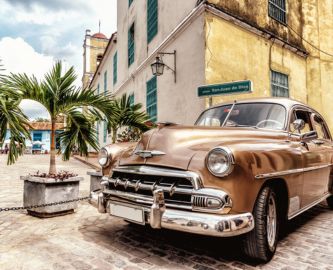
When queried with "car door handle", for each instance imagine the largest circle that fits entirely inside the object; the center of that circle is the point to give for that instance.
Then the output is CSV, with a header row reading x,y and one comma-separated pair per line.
x,y
318,142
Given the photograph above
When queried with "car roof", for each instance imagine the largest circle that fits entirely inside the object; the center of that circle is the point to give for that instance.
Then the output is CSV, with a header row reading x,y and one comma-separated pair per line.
x,y
286,102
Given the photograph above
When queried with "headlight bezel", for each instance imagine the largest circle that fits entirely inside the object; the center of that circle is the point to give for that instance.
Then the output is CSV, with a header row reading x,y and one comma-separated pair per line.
x,y
108,157
229,157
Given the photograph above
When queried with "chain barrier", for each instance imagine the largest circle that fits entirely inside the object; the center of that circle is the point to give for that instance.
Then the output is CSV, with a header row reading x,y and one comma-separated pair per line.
x,y
6,209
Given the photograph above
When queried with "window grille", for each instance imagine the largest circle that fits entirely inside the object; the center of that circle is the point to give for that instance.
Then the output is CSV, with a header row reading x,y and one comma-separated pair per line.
x,y
277,10
279,84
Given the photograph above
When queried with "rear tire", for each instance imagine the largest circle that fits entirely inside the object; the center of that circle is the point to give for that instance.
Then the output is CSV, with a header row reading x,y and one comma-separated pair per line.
x,y
261,242
329,201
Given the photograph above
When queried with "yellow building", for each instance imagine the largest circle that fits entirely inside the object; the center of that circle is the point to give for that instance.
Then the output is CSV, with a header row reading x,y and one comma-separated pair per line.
x,y
284,47
93,50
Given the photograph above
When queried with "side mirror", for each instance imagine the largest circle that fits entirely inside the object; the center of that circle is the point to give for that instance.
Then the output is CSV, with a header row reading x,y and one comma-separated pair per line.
x,y
308,136
299,124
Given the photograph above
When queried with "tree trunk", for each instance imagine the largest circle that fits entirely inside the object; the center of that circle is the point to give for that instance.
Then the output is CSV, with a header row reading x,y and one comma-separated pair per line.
x,y
53,169
114,135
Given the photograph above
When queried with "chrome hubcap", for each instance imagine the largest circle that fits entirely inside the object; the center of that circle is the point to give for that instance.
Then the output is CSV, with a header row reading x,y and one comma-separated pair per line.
x,y
271,223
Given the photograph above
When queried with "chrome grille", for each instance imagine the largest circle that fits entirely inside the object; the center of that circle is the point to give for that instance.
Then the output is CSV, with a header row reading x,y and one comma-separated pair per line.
x,y
200,201
176,189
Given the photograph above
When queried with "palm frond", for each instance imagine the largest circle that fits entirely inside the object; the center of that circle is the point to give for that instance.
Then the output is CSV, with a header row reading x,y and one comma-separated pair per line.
x,y
79,133
12,118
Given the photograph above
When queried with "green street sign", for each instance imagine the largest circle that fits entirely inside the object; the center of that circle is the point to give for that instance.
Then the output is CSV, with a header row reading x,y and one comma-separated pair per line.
x,y
240,87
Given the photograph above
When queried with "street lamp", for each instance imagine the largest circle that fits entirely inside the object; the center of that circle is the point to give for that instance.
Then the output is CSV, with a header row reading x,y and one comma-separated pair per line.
x,y
158,66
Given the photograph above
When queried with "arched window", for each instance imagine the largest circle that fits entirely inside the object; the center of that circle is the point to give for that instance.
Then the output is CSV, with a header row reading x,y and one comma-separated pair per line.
x,y
99,59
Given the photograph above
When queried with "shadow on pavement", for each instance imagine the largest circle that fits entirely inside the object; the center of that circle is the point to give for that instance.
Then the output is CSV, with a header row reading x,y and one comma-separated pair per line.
x,y
175,246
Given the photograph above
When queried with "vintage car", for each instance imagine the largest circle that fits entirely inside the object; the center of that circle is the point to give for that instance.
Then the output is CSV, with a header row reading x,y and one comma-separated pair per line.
x,y
244,168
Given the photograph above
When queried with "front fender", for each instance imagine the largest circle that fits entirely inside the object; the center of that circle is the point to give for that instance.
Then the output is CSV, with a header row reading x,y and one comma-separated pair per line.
x,y
116,151
251,160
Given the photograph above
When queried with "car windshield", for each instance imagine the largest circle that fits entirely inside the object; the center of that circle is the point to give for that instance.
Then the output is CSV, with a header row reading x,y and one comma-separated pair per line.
x,y
257,115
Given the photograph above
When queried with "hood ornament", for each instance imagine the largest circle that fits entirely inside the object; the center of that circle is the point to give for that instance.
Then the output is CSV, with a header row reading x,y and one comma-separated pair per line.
x,y
148,154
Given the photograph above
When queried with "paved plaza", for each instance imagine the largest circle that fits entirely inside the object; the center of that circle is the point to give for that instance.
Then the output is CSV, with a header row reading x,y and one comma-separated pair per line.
x,y
88,240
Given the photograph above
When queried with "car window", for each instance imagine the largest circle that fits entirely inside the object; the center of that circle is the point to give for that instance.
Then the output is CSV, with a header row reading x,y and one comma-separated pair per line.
x,y
320,127
259,115
306,117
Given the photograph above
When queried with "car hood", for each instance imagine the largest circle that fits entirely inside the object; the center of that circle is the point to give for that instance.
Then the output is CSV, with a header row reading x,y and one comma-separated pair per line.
x,y
179,144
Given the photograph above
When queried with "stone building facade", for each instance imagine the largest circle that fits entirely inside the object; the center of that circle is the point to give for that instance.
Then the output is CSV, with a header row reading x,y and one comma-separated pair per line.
x,y
283,47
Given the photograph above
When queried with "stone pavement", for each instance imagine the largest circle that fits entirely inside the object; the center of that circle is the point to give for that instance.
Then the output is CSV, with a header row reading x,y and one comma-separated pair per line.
x,y
88,240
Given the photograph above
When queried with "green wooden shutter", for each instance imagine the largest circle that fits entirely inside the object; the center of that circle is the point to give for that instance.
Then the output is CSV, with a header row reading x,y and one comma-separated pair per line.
x,y
152,19
98,89
105,82
115,68
97,131
130,2
131,98
105,135
152,99
131,45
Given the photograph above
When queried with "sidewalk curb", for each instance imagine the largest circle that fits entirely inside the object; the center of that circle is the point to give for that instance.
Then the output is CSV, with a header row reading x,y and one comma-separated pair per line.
x,y
81,159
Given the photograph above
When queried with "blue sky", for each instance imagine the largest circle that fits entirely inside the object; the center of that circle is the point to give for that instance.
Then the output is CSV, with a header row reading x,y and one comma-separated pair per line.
x,y
35,33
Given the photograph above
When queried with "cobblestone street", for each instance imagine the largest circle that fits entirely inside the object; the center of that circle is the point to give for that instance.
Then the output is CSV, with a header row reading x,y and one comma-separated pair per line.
x,y
88,240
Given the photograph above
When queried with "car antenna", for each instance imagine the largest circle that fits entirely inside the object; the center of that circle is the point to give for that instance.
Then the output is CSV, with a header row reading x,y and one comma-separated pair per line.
x,y
230,111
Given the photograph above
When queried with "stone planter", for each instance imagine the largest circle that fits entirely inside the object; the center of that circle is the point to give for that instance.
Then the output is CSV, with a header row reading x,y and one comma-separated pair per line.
x,y
38,190
95,180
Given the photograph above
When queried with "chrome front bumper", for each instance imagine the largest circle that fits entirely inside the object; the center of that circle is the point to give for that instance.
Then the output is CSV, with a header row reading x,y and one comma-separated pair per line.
x,y
158,216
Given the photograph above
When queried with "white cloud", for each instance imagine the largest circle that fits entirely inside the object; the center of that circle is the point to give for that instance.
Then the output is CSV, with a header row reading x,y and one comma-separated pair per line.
x,y
18,57
40,13
34,110
55,31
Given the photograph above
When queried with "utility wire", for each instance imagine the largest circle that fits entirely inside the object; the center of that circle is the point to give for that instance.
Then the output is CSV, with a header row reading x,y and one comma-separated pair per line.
x,y
308,42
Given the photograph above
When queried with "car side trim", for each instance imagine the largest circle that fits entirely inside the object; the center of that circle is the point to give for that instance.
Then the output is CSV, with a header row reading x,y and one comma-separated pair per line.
x,y
294,171
292,215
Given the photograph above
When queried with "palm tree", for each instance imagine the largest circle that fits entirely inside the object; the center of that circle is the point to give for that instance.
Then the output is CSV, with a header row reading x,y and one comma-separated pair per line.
x,y
126,114
58,94
12,118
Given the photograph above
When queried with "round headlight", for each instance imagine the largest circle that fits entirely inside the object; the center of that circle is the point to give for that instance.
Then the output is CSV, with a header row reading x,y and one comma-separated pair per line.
x,y
220,161
104,157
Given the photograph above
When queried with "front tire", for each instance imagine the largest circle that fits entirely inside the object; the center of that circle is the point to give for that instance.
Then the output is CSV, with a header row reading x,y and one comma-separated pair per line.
x,y
329,201
261,242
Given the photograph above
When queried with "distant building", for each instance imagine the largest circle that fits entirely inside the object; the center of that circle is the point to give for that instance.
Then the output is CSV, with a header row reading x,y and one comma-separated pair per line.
x,y
41,135
284,48
93,50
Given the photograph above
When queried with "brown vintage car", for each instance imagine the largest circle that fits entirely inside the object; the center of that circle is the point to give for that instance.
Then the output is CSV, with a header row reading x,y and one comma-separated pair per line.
x,y
244,168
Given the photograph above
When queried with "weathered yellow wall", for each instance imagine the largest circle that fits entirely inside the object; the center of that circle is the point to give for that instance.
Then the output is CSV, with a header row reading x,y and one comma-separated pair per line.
x,y
233,54
255,12
97,47
318,30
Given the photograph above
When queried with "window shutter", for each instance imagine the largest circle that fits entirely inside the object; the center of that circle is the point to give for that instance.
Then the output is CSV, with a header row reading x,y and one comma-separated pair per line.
x,y
152,19
152,99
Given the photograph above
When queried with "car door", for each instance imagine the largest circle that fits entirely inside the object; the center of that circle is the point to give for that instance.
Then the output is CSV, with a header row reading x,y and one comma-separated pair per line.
x,y
317,157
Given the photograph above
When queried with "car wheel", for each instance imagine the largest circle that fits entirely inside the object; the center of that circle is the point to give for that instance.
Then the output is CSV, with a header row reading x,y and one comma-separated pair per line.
x,y
330,201
261,242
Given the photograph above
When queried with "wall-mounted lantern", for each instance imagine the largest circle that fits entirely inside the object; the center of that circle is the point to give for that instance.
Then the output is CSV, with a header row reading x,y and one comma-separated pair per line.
x,y
158,66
